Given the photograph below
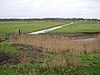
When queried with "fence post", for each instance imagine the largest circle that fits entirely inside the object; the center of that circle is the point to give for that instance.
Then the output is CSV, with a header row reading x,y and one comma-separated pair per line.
x,y
19,32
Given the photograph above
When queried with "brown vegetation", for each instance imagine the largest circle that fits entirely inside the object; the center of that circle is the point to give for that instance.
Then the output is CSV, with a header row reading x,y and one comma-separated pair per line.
x,y
58,43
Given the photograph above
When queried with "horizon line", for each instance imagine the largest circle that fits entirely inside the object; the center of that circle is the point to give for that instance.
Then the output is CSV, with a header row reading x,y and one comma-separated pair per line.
x,y
44,17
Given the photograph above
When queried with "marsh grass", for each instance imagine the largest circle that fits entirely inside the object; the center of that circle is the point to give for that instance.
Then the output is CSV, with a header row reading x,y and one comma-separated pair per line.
x,y
56,63
58,43
60,56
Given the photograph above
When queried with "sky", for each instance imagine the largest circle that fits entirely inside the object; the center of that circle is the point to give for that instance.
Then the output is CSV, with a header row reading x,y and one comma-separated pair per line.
x,y
50,9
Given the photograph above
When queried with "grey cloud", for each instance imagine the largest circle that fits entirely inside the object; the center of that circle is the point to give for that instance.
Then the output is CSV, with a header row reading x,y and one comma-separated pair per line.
x,y
50,8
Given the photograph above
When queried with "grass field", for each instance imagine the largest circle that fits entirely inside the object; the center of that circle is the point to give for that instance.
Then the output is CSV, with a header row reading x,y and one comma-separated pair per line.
x,y
26,26
81,26
63,53
30,26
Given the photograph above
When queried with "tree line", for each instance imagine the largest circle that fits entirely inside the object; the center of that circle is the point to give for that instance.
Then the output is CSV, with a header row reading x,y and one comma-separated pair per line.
x,y
49,19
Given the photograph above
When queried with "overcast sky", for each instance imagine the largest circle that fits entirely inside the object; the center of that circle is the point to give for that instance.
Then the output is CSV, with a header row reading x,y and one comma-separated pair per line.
x,y
49,8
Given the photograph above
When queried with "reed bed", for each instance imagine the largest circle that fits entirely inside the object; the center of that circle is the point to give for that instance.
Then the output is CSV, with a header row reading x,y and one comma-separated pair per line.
x,y
58,43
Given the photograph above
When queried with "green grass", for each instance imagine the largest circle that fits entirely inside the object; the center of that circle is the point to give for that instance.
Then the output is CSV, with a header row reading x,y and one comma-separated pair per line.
x,y
26,26
6,47
30,26
87,64
81,26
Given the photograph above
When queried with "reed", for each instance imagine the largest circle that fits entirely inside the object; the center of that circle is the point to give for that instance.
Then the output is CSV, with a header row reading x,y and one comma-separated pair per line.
x,y
58,43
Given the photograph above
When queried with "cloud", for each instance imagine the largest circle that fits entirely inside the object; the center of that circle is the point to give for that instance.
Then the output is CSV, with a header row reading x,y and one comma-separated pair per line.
x,y
50,8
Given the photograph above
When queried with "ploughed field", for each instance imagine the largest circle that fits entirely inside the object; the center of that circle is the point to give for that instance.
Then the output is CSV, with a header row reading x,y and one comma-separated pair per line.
x,y
70,50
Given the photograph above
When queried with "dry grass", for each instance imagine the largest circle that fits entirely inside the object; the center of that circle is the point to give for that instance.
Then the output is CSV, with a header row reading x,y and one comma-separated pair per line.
x,y
56,63
32,72
58,44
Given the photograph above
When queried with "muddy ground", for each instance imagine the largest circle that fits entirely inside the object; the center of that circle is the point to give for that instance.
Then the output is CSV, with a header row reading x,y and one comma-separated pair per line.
x,y
32,52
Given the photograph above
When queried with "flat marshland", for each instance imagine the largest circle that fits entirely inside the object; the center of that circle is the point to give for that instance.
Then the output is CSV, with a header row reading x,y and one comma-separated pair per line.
x,y
70,50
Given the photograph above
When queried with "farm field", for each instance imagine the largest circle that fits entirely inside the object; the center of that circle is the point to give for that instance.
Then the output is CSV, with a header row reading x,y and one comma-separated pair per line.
x,y
65,51
27,26
81,26
31,26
